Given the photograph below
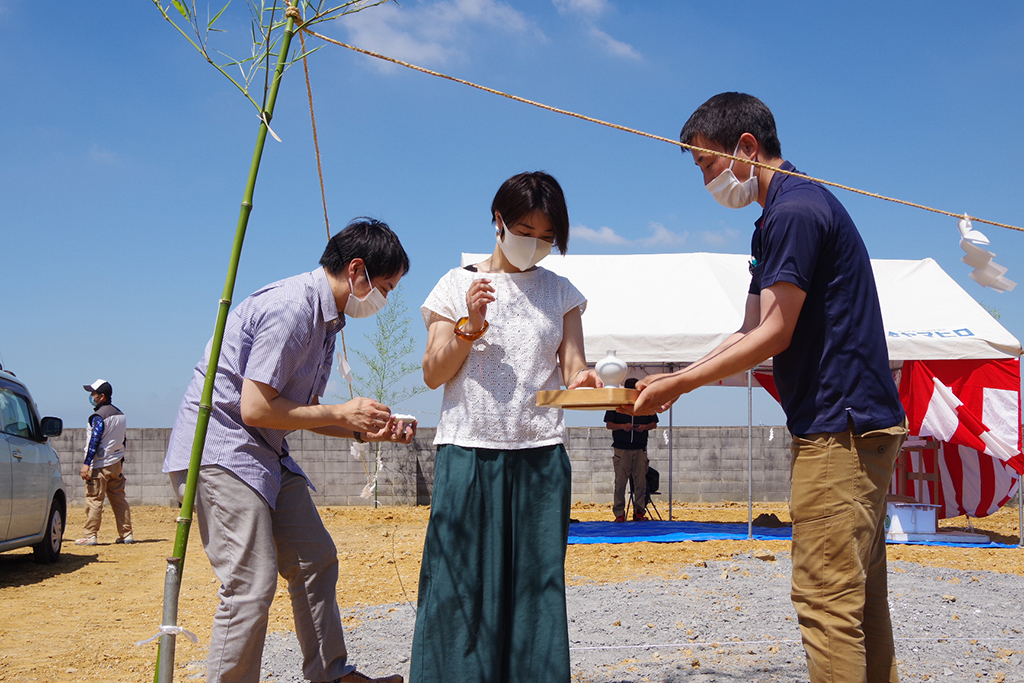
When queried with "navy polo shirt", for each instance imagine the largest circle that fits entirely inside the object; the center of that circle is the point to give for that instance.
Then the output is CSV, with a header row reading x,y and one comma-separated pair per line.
x,y
836,368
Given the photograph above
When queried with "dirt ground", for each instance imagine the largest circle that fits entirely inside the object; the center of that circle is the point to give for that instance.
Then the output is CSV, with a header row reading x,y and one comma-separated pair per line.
x,y
79,620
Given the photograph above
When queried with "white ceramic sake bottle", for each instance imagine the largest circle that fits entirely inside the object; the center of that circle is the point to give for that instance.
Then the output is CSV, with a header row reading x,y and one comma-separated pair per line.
x,y
612,370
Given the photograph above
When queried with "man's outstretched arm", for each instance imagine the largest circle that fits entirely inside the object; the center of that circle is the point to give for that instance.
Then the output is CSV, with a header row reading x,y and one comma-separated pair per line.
x,y
775,311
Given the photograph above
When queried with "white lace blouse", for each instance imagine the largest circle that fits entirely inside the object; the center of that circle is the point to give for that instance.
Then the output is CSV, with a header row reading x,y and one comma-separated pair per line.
x,y
491,400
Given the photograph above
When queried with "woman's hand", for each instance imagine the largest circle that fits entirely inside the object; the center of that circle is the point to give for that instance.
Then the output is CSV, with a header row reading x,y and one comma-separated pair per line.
x,y
479,295
586,378
394,431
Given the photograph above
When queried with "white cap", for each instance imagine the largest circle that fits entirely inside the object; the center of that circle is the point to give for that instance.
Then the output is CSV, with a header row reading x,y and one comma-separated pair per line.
x,y
100,386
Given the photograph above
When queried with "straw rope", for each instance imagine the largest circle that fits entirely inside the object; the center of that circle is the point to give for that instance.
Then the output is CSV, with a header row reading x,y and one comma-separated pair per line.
x,y
316,142
293,12
641,133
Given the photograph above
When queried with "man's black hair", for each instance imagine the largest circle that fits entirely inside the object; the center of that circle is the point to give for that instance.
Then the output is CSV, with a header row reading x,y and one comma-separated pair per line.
x,y
528,192
725,117
630,383
368,239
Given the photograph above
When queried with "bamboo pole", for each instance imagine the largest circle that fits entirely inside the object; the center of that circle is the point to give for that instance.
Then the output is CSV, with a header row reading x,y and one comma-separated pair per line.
x,y
176,563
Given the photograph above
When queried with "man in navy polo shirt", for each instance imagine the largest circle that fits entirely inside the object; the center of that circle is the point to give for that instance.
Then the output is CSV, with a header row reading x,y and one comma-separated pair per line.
x,y
813,306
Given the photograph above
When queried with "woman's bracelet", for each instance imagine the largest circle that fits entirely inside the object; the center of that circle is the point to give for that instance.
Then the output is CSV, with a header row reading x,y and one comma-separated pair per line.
x,y
358,436
469,336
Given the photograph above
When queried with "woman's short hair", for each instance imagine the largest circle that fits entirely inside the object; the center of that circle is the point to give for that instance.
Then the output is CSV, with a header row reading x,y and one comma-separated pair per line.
x,y
525,193
368,239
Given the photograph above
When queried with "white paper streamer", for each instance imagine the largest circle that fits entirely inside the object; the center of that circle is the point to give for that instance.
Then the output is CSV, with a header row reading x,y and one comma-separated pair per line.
x,y
987,272
359,450
371,482
344,369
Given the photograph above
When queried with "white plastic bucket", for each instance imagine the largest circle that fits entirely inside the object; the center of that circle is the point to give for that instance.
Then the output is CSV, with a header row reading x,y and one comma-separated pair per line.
x,y
911,518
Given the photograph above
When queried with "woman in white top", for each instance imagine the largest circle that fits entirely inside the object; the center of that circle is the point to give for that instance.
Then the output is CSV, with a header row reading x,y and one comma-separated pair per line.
x,y
492,584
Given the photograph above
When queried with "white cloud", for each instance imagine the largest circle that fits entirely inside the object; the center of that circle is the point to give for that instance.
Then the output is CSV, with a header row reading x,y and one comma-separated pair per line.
x,y
615,48
429,33
603,235
663,237
588,11
589,8
103,156
660,236
721,237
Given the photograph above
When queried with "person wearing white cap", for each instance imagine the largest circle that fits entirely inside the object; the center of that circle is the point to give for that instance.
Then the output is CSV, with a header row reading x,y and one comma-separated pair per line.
x,y
101,471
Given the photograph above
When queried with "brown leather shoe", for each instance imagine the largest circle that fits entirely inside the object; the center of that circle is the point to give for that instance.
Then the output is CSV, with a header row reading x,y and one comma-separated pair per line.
x,y
356,677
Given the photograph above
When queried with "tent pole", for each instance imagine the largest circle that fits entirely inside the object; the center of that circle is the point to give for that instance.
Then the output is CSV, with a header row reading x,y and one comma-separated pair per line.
x,y
1020,514
670,470
750,455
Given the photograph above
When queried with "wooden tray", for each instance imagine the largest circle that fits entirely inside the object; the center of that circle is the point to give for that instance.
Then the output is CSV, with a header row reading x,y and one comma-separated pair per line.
x,y
587,399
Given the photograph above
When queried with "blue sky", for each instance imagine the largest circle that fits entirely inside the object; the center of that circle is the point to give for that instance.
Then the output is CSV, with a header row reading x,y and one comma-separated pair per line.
x,y
124,157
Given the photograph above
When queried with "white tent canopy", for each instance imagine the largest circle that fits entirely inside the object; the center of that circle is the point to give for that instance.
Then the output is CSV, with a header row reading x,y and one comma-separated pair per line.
x,y
655,309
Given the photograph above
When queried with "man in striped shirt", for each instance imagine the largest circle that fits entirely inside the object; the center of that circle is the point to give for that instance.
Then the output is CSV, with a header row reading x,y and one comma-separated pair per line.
x,y
255,513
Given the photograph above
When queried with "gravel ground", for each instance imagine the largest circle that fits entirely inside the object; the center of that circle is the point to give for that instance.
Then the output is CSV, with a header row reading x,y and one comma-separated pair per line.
x,y
731,621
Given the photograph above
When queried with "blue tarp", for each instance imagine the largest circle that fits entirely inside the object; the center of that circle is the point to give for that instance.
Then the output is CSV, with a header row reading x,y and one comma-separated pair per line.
x,y
675,532
669,532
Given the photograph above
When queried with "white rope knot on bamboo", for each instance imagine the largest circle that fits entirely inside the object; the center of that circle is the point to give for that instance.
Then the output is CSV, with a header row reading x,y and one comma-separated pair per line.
x,y
169,630
294,13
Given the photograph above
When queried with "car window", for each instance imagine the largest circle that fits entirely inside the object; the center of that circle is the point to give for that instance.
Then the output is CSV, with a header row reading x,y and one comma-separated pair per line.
x,y
16,415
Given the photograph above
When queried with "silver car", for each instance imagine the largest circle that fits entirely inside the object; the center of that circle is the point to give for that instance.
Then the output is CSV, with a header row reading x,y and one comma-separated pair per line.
x,y
33,504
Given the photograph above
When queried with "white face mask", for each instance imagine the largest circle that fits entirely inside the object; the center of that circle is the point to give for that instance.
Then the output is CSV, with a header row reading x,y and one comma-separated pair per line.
x,y
368,305
521,252
729,191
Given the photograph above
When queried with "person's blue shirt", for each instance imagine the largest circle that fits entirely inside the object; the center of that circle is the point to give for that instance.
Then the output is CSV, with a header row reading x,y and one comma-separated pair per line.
x,y
836,368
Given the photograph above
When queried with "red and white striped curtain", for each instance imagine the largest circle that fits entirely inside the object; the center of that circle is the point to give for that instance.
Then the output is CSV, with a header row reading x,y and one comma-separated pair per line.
x,y
973,408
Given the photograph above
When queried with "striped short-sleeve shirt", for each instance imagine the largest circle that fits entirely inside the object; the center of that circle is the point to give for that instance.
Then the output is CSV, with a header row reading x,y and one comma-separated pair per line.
x,y
282,335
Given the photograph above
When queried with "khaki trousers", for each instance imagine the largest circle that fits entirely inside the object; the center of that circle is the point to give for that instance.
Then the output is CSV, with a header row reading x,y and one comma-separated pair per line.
x,y
626,463
840,589
107,482
249,544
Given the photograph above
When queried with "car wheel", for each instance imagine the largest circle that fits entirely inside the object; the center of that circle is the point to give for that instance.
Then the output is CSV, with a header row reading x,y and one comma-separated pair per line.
x,y
47,551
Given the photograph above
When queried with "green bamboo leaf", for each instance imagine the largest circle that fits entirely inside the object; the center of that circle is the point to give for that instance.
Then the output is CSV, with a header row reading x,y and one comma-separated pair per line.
x,y
182,10
217,16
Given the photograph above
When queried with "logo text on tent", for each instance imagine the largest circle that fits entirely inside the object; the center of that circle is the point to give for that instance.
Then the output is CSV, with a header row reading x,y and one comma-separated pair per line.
x,y
943,334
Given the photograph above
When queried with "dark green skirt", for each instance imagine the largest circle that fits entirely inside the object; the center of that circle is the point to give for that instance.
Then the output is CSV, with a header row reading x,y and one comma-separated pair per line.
x,y
492,584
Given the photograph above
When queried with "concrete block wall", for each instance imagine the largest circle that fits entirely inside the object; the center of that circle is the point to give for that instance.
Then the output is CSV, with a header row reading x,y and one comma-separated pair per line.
x,y
709,465
145,452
